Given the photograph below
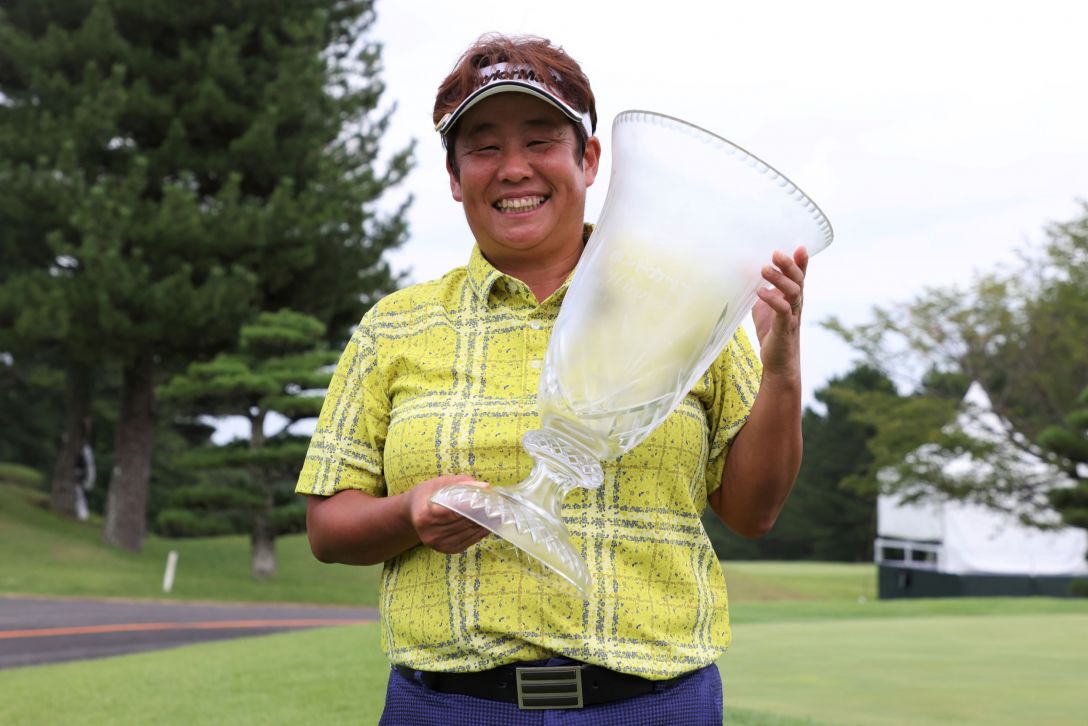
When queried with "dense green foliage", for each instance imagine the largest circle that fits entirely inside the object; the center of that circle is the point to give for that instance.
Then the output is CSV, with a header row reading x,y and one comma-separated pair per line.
x,y
824,518
30,405
168,170
1022,334
1070,442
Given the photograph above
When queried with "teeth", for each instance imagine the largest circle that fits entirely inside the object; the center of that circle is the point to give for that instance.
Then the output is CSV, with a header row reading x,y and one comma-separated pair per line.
x,y
520,204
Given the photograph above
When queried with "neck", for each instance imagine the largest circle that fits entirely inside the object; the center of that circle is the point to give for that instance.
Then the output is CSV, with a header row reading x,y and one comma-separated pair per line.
x,y
543,279
543,276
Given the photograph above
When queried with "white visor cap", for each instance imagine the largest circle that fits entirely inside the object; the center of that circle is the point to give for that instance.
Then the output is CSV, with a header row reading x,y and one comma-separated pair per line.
x,y
501,78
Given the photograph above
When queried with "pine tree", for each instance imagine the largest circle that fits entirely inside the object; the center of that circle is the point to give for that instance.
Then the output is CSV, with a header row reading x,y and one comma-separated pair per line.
x,y
39,188
31,405
280,357
169,169
1070,443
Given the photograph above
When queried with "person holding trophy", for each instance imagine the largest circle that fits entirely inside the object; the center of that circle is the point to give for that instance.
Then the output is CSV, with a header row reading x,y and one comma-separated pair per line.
x,y
437,387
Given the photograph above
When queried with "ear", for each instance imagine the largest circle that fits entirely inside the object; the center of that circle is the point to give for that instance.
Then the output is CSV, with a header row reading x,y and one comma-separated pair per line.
x,y
455,183
591,158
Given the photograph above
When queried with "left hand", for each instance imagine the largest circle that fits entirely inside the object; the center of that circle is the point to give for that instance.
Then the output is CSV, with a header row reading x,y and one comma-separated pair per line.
x,y
777,313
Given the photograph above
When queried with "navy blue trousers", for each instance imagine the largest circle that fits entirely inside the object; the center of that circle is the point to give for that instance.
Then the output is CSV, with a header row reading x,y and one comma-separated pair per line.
x,y
695,700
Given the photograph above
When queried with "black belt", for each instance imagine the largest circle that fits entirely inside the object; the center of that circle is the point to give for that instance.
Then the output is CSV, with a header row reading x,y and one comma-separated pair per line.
x,y
535,686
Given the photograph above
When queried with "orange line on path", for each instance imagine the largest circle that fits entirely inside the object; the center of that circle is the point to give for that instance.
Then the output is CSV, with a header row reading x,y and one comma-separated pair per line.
x,y
206,625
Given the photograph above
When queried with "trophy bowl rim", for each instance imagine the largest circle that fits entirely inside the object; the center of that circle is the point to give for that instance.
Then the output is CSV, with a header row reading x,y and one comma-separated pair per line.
x,y
818,214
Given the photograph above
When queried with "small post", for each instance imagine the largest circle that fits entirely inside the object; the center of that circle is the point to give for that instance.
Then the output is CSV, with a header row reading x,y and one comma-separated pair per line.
x,y
171,568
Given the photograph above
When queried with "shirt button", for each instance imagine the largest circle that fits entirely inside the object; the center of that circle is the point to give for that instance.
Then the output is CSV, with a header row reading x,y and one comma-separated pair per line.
x,y
534,364
535,324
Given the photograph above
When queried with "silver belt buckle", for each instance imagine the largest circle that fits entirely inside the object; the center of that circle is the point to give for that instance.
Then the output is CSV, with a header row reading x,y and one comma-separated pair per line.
x,y
549,687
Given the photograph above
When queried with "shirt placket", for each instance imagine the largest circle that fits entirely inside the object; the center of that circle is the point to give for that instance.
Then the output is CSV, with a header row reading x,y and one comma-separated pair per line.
x,y
538,326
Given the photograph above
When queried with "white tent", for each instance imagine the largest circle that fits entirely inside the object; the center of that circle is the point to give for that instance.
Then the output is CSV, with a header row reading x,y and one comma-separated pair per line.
x,y
969,539
962,538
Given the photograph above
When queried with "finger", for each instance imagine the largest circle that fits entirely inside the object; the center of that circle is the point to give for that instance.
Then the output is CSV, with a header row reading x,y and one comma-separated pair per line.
x,y
453,544
448,522
789,287
789,266
434,486
435,522
430,488
463,543
440,521
801,258
775,300
442,538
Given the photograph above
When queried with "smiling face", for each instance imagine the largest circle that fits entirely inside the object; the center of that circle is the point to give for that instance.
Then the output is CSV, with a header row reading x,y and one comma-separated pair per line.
x,y
522,182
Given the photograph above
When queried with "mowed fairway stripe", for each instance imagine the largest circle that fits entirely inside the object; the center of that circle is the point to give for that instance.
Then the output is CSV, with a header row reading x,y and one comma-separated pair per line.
x,y
206,625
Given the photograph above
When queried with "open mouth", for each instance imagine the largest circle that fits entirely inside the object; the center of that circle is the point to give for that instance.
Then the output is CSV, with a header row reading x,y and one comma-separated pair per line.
x,y
515,205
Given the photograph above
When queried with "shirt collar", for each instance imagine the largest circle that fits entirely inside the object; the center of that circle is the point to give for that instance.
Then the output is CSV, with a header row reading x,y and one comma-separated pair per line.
x,y
482,275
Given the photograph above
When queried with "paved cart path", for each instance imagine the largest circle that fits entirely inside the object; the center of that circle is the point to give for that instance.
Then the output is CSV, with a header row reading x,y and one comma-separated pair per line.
x,y
37,630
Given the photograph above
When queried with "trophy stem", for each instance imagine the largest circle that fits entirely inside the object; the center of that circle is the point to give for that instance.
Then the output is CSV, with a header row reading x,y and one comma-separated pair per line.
x,y
528,514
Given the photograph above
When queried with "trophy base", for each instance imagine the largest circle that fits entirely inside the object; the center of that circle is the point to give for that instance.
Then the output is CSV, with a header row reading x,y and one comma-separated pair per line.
x,y
534,531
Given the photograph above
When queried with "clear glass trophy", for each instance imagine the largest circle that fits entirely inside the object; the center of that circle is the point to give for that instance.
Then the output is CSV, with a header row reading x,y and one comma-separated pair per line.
x,y
666,278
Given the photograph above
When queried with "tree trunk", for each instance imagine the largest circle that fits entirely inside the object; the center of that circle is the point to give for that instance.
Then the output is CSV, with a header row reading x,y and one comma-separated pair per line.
x,y
77,408
126,502
262,551
263,547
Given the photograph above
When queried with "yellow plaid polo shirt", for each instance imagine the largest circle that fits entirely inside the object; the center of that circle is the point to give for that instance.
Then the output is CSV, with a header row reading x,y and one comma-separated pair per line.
x,y
441,378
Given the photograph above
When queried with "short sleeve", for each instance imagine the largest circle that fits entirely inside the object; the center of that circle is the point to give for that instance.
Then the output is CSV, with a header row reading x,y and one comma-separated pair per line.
x,y
346,448
730,387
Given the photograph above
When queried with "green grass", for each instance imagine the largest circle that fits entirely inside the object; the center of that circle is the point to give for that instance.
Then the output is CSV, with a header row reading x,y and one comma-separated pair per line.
x,y
985,669
812,646
48,555
56,556
331,677
997,669
778,581
746,717
21,475
747,613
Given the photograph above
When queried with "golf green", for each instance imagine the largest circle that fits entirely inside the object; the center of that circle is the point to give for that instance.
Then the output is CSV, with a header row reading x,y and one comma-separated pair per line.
x,y
1002,669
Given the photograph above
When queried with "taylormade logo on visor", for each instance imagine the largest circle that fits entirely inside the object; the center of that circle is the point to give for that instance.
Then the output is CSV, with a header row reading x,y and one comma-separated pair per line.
x,y
503,71
500,77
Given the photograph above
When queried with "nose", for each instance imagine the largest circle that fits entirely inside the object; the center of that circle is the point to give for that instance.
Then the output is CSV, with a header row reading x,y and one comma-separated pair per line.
x,y
514,165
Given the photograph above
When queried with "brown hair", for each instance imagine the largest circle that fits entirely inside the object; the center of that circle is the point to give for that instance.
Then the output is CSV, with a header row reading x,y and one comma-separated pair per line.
x,y
545,60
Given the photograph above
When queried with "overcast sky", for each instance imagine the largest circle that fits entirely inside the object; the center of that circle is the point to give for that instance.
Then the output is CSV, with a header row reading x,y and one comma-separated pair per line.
x,y
939,137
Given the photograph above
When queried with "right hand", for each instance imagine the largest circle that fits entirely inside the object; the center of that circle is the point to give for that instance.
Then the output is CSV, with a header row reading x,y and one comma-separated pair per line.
x,y
439,528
